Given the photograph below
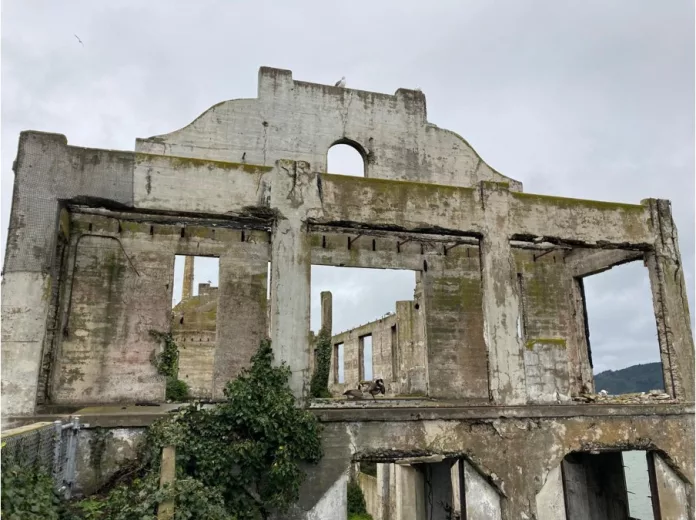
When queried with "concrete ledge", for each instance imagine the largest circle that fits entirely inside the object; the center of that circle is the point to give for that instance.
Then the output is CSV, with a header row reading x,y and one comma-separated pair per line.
x,y
143,416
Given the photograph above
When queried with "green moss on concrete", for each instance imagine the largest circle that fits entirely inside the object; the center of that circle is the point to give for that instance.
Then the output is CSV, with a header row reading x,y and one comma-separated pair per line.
x,y
134,227
556,342
564,202
363,191
200,232
187,162
65,222
46,293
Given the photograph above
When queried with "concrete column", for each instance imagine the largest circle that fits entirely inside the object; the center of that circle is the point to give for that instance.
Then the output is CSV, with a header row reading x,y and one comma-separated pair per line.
x,y
327,311
24,311
670,493
241,317
670,303
410,493
290,302
187,289
295,197
501,308
481,499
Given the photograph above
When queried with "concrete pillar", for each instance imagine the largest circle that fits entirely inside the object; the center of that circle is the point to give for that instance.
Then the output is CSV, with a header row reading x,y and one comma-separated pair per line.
x,y
550,502
384,492
670,303
187,289
24,311
501,308
481,499
409,493
295,196
670,493
241,316
290,302
327,311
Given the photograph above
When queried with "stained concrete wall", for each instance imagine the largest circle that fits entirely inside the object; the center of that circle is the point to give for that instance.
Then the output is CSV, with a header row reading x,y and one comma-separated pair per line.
x,y
373,500
672,493
390,131
196,361
457,357
500,448
287,199
119,290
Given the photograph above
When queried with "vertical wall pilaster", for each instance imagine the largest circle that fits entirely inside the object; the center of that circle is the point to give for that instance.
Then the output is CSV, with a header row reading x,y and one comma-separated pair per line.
x,y
670,303
501,308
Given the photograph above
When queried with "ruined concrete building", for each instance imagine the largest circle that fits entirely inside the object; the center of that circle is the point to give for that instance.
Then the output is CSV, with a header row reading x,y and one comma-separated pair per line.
x,y
485,366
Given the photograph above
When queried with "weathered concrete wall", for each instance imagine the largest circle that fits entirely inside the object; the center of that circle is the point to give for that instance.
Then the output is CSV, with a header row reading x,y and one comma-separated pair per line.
x,y
500,448
46,171
550,501
381,332
115,301
482,499
391,132
457,357
373,500
101,453
673,494
119,288
196,361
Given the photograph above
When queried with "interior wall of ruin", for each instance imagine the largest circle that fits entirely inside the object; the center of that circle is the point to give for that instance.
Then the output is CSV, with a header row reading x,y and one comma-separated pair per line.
x,y
119,288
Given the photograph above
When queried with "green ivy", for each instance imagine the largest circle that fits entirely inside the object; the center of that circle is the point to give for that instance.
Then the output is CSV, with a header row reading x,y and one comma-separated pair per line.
x,y
167,361
177,390
319,386
356,499
237,460
27,494
167,364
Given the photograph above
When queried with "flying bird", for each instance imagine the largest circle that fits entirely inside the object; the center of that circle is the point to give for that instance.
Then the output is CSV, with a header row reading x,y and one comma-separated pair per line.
x,y
78,39
341,83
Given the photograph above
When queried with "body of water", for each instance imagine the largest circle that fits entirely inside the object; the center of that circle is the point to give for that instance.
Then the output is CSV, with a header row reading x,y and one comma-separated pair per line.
x,y
638,484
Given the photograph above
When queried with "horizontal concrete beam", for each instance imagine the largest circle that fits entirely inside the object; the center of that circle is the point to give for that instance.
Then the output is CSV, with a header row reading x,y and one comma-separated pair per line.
x,y
115,417
586,262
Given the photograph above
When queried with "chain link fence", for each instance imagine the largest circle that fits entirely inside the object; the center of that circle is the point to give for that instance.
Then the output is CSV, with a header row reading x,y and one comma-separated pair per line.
x,y
47,447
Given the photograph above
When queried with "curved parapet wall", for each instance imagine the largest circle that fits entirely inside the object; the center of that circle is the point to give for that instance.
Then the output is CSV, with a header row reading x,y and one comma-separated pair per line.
x,y
301,121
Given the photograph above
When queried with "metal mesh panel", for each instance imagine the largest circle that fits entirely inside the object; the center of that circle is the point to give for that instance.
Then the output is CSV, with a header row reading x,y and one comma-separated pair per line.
x,y
33,448
46,447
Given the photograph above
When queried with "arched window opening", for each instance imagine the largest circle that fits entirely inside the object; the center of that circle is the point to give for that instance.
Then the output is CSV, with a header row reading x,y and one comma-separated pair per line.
x,y
345,159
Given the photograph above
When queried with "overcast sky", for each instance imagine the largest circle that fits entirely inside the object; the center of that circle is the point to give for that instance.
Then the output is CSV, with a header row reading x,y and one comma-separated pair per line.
x,y
590,99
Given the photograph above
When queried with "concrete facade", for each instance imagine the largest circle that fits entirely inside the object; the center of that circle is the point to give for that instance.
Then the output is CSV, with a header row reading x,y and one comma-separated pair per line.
x,y
490,361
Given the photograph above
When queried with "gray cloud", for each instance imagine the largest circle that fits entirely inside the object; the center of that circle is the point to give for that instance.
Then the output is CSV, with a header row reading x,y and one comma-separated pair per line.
x,y
591,99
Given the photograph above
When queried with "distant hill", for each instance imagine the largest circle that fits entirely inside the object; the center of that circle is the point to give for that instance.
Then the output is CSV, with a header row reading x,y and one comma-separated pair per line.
x,y
637,378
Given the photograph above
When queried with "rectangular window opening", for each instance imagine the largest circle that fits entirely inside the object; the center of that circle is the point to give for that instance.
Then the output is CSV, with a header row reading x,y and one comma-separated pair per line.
x,y
339,367
366,357
605,483
194,320
620,330
362,311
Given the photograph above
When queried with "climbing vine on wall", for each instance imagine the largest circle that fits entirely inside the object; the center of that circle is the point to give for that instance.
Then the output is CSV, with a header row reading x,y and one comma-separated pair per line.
x,y
167,364
238,460
319,386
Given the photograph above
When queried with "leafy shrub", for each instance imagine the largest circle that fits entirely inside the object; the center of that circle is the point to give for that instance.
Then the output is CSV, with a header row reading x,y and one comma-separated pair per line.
x,y
356,499
27,494
177,390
